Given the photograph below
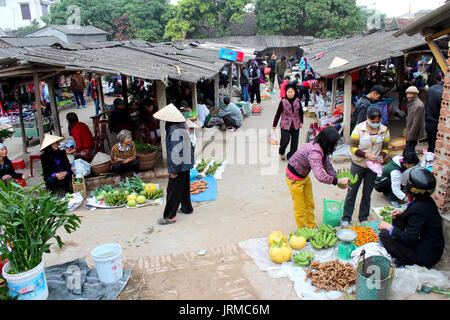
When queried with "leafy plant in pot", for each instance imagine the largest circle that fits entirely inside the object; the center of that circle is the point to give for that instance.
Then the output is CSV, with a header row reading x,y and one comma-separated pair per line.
x,y
29,219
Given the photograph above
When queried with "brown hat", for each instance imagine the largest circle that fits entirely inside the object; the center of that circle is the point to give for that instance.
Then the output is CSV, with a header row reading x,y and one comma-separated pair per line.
x,y
170,113
49,140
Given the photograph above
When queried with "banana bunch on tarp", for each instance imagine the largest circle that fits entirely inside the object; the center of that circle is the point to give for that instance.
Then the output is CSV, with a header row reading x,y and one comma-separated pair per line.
x,y
306,233
303,258
116,198
155,194
347,174
325,237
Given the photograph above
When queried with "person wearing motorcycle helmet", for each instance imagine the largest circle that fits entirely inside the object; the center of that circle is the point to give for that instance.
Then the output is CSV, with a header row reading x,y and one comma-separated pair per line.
x,y
415,236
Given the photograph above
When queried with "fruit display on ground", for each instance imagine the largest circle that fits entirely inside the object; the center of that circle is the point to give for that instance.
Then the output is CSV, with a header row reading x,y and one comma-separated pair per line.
x,y
116,198
325,237
303,258
276,236
280,252
331,275
198,186
365,234
306,233
297,242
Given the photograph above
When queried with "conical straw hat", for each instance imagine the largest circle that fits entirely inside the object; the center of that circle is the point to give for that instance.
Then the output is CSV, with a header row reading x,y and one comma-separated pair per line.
x,y
191,124
100,158
49,140
170,113
337,62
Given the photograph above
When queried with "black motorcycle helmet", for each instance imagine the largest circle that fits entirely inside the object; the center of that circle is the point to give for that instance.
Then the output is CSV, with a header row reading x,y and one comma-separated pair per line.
x,y
420,182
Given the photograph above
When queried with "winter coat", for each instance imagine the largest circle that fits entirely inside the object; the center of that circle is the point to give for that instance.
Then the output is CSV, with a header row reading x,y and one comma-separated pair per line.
x,y
178,142
415,120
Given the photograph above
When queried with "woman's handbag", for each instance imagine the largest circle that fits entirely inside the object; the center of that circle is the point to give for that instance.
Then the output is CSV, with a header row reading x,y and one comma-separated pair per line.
x,y
267,70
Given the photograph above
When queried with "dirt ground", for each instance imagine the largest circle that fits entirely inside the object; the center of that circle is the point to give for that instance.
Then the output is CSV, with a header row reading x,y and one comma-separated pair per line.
x,y
249,205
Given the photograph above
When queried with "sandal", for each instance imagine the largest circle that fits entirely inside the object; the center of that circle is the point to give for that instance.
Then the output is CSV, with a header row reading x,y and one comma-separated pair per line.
x,y
166,221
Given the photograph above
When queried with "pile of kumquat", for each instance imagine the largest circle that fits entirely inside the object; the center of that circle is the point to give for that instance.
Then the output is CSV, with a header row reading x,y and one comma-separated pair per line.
x,y
365,234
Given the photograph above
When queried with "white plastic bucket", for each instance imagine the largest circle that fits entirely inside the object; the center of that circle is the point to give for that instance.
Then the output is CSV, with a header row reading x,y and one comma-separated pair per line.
x,y
108,262
30,285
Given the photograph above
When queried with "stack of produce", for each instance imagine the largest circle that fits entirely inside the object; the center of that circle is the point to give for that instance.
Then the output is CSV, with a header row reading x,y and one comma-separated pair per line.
x,y
347,174
365,234
100,192
198,186
116,198
386,213
297,242
306,233
203,164
303,258
279,250
331,275
325,238
213,168
136,185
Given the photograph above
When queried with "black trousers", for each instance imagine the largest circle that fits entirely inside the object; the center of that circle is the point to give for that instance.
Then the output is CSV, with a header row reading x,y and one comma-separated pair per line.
x,y
431,130
286,136
280,80
178,192
385,187
121,168
403,254
410,147
53,184
302,90
255,90
229,122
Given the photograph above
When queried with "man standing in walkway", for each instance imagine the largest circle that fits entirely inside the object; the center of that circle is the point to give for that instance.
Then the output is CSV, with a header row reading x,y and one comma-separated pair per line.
x,y
360,112
415,120
432,110
272,65
245,80
77,86
231,115
255,83
280,69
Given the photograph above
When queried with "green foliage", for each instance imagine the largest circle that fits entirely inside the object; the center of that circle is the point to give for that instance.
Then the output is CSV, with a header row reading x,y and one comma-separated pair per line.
x,y
5,134
22,31
279,16
29,219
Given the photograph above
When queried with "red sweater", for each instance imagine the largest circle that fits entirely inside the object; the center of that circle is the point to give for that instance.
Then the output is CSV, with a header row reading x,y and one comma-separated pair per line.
x,y
82,136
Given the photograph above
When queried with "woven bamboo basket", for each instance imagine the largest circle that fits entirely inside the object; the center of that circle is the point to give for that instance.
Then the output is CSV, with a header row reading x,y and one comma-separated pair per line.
x,y
146,165
144,156
101,168
81,187
397,143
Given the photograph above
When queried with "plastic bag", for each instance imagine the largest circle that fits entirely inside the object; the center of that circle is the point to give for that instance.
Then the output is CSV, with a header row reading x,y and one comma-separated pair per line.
x,y
375,166
81,168
274,137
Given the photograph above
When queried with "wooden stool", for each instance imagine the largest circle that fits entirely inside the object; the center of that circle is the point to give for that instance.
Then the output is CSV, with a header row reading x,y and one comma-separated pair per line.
x,y
34,156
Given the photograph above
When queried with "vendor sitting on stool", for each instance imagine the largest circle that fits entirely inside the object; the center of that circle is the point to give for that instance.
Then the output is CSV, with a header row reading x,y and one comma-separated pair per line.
x,y
7,172
390,182
123,154
55,165
416,235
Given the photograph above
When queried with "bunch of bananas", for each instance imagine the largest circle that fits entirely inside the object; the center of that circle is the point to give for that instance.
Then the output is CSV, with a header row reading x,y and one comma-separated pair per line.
x,y
303,258
116,198
325,238
155,194
306,233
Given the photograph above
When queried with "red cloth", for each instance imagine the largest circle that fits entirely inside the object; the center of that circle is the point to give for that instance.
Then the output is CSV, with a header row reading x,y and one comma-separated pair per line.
x,y
82,136
283,89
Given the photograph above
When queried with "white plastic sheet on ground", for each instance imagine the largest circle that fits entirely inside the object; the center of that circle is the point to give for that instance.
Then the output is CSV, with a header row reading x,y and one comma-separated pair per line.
x,y
220,170
406,281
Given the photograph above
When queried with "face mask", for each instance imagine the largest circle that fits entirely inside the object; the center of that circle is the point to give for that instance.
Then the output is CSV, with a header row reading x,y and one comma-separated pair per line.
x,y
374,125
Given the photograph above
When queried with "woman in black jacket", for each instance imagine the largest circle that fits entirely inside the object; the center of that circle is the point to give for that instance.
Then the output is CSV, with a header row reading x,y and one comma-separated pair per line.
x,y
7,172
416,235
55,165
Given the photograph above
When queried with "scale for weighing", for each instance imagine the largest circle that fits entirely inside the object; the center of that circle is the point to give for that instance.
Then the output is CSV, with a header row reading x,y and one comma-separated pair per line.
x,y
346,246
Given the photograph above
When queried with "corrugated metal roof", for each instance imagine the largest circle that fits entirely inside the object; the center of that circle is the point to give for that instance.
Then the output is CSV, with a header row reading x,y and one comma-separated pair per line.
x,y
72,29
359,51
134,58
29,41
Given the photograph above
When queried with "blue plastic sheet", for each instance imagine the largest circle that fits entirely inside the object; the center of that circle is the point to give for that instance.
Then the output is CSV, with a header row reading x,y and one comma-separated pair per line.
x,y
210,194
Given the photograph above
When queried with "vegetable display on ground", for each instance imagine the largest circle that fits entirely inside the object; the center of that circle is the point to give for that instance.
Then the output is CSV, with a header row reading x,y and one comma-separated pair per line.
x,y
331,275
116,198
303,258
325,237
203,164
297,242
135,185
365,234
198,186
276,236
306,233
213,168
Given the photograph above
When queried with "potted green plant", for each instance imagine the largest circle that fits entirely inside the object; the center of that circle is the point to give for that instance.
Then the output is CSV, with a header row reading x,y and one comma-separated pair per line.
x,y
29,219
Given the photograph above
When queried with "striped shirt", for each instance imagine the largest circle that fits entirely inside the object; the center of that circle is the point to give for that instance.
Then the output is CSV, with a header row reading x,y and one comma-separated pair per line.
x,y
311,84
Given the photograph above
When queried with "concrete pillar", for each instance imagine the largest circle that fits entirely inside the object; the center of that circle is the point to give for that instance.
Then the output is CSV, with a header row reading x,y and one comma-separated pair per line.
x,y
347,107
216,92
333,94
54,107
161,97
37,95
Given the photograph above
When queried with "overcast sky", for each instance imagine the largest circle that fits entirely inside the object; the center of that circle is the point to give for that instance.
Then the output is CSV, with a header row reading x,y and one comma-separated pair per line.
x,y
394,8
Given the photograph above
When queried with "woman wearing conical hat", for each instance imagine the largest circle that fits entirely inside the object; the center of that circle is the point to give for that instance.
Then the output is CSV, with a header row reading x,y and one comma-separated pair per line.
x,y
180,159
55,165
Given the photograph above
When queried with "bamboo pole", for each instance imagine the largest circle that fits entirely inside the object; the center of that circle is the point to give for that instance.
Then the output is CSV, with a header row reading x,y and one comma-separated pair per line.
x,y
54,108
194,96
333,94
161,99
37,95
347,107
101,97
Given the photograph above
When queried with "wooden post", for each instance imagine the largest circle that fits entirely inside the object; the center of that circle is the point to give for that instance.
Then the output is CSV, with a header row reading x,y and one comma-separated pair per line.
x,y
230,81
101,97
333,94
238,73
437,53
347,107
161,97
54,107
37,95
378,75
125,89
22,126
194,96
401,80
216,92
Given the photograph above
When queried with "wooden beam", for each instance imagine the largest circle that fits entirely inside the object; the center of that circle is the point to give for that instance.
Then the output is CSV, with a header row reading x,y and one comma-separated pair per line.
x,y
125,89
37,95
54,107
347,107
439,34
437,53
238,73
161,99
194,95
216,92
29,72
22,125
230,81
333,94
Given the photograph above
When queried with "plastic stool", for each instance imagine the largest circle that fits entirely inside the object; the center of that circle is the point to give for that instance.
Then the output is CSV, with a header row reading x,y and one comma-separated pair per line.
x,y
18,164
34,156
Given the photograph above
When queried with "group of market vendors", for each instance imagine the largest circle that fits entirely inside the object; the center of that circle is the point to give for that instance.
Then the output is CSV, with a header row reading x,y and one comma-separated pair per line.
x,y
415,236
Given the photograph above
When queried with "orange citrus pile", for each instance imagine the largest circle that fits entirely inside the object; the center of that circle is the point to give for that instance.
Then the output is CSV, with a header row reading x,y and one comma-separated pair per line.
x,y
365,234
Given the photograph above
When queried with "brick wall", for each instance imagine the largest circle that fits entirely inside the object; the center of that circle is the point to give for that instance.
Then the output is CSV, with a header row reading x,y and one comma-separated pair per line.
x,y
441,167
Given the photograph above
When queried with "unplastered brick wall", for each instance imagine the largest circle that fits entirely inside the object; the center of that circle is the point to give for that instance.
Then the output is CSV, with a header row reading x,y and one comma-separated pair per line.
x,y
441,167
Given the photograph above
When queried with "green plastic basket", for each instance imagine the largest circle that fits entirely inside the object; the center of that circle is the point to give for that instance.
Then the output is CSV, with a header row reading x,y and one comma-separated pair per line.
x,y
345,250
376,284
332,212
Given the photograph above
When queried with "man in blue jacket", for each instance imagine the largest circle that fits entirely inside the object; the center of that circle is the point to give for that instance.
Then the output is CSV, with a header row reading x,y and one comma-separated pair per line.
x,y
231,115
